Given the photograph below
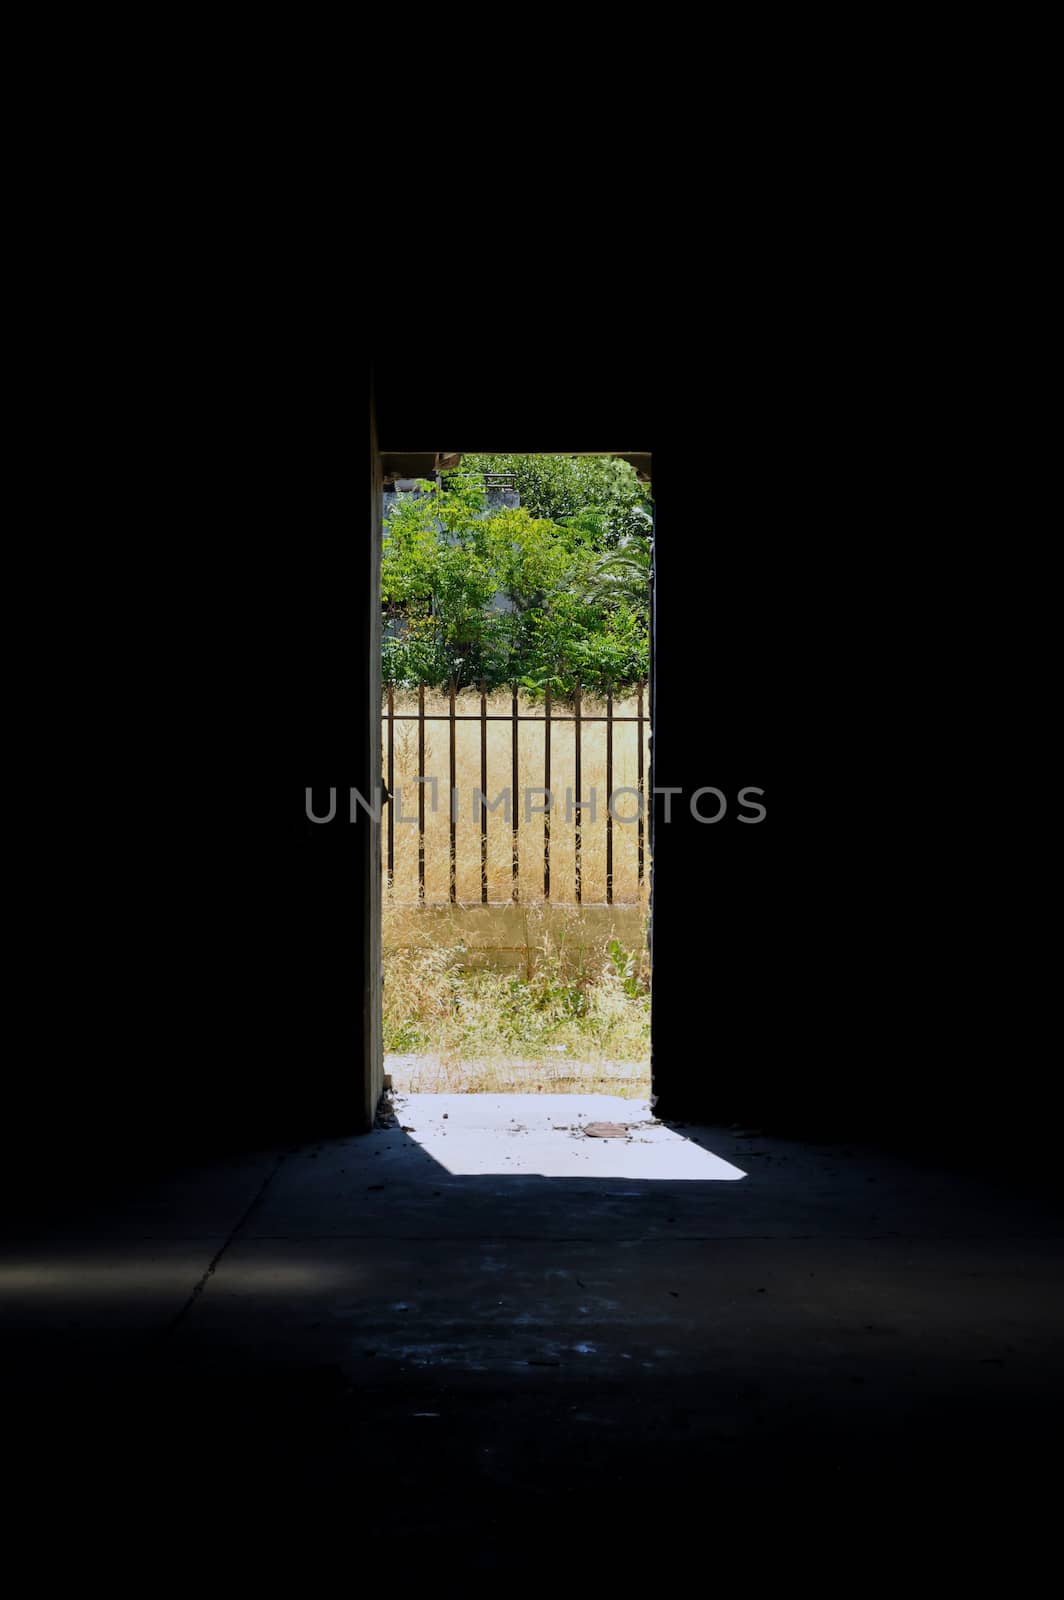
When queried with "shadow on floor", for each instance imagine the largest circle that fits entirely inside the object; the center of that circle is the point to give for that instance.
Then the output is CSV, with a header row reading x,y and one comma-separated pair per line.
x,y
499,1359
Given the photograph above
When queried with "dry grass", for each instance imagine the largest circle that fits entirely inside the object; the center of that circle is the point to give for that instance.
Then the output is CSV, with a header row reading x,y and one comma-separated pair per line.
x,y
584,1027
432,1075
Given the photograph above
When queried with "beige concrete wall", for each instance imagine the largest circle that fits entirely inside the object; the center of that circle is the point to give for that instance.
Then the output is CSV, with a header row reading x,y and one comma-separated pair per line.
x,y
506,936
531,751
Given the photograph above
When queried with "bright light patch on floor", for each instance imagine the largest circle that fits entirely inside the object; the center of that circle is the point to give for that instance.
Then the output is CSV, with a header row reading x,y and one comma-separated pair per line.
x,y
542,1135
143,1277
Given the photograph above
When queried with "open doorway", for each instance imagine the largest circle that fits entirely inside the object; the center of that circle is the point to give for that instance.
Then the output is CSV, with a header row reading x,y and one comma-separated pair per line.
x,y
515,727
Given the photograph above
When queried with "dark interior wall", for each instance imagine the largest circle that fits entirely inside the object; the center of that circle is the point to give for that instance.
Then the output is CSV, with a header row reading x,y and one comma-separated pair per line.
x,y
845,967
191,957
771,953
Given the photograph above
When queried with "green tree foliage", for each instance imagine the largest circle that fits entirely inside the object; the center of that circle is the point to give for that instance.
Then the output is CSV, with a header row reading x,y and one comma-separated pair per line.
x,y
621,576
573,582
599,497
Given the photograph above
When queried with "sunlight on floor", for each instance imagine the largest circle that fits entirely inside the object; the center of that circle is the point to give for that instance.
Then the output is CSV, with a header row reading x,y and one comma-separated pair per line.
x,y
543,1135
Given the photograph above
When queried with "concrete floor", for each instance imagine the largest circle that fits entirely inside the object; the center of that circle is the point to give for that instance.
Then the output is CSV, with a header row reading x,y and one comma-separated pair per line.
x,y
493,1330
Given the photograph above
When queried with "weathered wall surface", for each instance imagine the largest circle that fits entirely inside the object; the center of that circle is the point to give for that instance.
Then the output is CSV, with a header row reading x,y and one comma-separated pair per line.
x,y
515,936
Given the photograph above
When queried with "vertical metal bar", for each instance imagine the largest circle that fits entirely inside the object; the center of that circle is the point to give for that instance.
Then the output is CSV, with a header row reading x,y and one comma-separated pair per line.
x,y
576,776
609,794
391,785
546,785
516,894
451,806
483,793
421,792
639,769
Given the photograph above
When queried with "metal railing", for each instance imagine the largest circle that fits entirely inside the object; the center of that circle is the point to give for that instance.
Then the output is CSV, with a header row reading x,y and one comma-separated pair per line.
x,y
515,718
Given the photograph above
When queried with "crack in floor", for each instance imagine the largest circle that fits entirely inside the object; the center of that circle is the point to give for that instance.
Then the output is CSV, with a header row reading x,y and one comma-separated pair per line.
x,y
198,1288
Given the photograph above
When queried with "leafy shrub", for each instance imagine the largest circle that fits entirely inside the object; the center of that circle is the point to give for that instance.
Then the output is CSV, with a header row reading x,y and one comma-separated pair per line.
x,y
571,571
